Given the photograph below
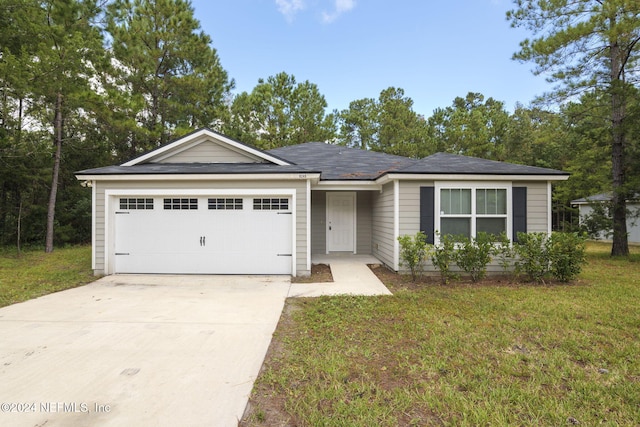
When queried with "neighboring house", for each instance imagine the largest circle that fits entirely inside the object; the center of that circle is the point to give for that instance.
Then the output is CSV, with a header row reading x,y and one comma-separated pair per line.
x,y
585,207
206,204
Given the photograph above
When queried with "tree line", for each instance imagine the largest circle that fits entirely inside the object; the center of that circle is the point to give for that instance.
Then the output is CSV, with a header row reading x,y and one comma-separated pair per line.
x,y
88,83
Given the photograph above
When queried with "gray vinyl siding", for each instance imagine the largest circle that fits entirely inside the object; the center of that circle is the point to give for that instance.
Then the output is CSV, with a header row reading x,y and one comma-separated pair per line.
x,y
210,152
382,225
537,206
410,205
301,214
99,231
318,222
409,199
319,225
364,222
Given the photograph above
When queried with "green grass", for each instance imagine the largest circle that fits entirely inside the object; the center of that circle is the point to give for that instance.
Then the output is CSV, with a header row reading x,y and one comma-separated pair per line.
x,y
463,355
35,273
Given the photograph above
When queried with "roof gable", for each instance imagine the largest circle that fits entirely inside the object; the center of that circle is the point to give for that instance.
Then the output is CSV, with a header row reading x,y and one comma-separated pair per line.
x,y
206,146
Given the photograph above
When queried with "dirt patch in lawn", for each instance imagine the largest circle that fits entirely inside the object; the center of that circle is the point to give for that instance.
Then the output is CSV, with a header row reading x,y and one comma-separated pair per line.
x,y
320,273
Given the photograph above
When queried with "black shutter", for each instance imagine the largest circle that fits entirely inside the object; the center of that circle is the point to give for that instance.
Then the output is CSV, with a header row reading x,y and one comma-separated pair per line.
x,y
427,214
519,200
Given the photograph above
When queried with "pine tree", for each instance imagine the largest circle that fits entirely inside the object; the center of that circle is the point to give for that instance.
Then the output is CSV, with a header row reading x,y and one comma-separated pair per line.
x,y
168,78
586,45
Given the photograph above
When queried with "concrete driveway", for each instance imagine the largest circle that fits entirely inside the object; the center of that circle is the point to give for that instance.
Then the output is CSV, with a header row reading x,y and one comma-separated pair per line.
x,y
138,351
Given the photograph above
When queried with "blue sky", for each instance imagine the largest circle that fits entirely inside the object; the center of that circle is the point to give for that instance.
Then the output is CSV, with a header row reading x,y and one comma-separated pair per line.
x,y
352,49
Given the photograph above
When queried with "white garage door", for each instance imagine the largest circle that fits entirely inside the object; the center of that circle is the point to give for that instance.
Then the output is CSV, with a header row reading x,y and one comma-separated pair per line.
x,y
203,235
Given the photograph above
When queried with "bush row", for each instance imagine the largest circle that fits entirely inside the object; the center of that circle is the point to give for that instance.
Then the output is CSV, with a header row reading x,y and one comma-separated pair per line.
x,y
537,256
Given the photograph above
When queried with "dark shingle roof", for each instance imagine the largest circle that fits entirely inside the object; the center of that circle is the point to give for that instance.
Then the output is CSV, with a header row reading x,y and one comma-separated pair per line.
x,y
445,163
338,162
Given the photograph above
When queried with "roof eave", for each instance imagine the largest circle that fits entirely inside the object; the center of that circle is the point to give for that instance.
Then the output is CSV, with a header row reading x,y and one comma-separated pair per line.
x,y
410,176
302,175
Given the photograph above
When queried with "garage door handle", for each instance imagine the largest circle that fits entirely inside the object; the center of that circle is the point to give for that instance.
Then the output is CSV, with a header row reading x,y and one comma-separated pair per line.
x,y
200,240
285,255
204,240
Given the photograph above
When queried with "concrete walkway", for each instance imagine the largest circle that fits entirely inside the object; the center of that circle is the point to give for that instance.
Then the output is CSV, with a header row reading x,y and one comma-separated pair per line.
x,y
351,276
138,350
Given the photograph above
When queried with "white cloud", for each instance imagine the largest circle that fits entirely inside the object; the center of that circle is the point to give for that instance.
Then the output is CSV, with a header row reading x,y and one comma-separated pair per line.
x,y
289,8
341,6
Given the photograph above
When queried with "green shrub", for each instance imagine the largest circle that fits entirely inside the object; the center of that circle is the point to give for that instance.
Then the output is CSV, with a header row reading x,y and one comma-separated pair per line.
x,y
567,254
413,252
533,257
473,255
504,251
443,256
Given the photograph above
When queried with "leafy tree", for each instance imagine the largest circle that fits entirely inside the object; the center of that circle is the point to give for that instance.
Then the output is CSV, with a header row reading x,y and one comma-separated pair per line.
x,y
402,131
388,124
471,126
588,141
537,137
279,112
19,175
359,124
168,78
585,45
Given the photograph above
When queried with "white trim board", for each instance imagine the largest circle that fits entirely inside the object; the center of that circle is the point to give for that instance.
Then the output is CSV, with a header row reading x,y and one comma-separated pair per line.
x,y
110,196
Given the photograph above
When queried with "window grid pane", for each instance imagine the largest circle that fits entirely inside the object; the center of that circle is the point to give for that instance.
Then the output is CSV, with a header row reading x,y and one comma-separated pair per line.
x,y
491,201
224,204
180,204
494,226
455,201
136,204
459,218
456,227
271,204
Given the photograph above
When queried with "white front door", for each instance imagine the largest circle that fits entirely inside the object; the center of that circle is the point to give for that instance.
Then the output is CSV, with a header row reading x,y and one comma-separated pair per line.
x,y
341,222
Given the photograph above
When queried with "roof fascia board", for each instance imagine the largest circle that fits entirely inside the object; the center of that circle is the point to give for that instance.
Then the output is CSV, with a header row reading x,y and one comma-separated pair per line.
x,y
347,186
466,177
204,132
200,177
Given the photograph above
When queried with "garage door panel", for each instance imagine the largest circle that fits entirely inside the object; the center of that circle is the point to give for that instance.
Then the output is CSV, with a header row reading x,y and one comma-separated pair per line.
x,y
203,241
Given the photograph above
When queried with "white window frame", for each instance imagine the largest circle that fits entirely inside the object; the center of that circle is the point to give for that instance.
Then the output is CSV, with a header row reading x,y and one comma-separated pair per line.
x,y
473,186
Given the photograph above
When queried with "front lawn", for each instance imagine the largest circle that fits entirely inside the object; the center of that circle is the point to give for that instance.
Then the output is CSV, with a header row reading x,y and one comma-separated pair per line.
x,y
461,355
35,273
